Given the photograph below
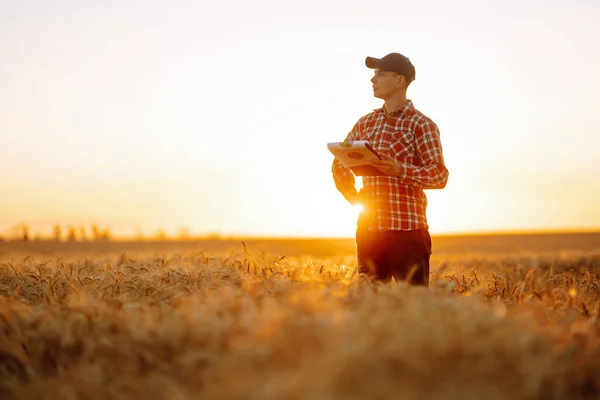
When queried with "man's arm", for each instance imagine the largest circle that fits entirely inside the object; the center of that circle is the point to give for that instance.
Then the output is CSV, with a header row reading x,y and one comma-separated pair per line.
x,y
344,178
432,174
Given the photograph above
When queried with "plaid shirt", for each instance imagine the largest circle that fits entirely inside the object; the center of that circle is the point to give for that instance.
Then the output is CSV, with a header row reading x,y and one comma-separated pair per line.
x,y
389,202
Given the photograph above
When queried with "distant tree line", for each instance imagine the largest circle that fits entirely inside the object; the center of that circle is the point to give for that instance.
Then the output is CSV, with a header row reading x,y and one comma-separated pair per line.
x,y
71,233
81,233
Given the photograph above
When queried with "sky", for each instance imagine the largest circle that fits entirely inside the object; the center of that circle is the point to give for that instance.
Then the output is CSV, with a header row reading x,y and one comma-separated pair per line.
x,y
214,116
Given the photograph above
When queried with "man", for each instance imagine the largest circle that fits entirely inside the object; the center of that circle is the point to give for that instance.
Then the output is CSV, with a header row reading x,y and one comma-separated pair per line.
x,y
392,235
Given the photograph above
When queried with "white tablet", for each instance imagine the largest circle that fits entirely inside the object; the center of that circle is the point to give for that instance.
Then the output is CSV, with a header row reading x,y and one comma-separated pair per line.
x,y
356,155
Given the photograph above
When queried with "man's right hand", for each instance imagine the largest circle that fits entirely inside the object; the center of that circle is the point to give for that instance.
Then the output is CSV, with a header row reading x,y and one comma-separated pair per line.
x,y
345,182
343,177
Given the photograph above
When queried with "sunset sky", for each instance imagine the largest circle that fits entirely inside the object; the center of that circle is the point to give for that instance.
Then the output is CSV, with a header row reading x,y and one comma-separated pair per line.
x,y
214,116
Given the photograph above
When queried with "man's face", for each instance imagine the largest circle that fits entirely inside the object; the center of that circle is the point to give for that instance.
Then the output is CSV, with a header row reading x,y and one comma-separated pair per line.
x,y
385,83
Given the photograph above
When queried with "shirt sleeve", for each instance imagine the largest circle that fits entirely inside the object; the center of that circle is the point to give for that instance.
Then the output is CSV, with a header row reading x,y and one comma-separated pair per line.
x,y
432,173
343,177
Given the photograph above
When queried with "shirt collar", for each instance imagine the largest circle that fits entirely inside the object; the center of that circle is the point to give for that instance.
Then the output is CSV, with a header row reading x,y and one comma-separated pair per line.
x,y
407,109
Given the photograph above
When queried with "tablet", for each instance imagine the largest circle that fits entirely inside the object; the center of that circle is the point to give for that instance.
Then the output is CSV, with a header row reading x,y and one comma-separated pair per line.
x,y
356,155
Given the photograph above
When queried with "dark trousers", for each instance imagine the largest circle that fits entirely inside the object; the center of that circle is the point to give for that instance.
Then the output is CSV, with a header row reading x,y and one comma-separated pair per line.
x,y
403,255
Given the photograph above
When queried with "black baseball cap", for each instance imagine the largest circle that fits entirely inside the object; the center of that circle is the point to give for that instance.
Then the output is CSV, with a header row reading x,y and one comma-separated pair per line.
x,y
393,62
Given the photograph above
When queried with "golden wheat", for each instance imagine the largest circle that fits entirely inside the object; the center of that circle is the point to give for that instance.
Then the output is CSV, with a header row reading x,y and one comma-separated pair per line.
x,y
196,325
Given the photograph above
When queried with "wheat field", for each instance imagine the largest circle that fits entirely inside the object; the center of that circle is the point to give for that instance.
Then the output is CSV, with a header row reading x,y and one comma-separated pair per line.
x,y
291,320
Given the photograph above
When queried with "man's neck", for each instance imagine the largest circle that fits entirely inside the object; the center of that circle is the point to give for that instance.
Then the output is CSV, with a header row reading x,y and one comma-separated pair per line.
x,y
394,103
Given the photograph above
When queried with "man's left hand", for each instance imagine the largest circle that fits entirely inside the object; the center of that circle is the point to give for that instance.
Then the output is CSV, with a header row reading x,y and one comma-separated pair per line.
x,y
388,166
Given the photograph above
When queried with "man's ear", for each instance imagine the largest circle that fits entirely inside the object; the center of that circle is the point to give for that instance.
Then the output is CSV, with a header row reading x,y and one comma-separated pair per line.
x,y
402,81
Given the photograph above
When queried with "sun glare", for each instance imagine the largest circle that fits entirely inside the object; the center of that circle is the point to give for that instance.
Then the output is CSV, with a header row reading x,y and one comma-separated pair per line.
x,y
357,208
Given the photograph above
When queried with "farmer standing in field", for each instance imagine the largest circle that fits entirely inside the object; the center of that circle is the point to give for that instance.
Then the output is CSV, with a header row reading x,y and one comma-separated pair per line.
x,y
392,235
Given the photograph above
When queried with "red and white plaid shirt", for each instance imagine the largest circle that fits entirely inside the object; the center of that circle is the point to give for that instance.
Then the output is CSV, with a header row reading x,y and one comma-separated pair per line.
x,y
389,202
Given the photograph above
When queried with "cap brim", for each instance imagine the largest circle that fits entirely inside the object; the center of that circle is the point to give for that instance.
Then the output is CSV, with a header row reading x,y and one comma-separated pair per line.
x,y
372,62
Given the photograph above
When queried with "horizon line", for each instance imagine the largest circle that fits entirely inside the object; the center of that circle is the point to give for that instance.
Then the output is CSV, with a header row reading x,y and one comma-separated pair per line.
x,y
237,236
